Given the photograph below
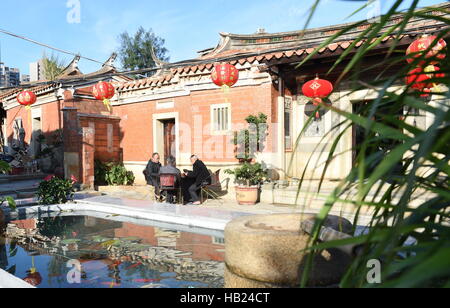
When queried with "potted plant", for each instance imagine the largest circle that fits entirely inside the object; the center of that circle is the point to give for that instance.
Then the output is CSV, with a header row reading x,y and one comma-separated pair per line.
x,y
249,177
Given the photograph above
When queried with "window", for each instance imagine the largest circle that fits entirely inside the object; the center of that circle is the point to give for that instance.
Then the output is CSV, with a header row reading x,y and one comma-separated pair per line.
x,y
221,119
288,123
218,240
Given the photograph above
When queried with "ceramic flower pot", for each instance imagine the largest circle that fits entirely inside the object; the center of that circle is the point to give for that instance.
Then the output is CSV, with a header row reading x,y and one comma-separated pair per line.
x,y
247,195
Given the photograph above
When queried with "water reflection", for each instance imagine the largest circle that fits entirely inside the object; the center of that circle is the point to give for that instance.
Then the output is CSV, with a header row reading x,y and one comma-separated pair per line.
x,y
112,254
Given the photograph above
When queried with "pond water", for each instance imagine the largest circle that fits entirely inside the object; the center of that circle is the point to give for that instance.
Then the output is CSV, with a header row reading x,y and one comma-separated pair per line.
x,y
104,252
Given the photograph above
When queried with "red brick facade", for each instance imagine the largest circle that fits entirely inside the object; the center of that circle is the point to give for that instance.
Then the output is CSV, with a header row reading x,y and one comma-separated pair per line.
x,y
195,119
185,97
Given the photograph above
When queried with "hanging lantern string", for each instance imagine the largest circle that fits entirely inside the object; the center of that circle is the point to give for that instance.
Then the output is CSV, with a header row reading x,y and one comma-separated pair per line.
x,y
184,63
47,46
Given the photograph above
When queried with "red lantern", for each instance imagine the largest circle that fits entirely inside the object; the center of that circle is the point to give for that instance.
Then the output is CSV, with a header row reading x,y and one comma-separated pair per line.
x,y
419,79
33,278
26,98
225,75
104,91
418,47
317,89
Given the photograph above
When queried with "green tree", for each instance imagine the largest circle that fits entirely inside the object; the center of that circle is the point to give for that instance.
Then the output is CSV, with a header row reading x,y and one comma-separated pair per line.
x,y
250,141
416,164
139,51
53,66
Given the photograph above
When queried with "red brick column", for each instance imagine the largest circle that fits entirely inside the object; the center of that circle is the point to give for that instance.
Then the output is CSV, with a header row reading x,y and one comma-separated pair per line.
x,y
72,143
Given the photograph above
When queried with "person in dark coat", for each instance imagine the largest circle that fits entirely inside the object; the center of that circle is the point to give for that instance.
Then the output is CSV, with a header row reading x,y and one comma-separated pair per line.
x,y
171,169
151,173
200,176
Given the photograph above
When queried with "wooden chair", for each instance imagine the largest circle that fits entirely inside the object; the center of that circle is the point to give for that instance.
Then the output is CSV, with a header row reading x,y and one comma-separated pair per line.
x,y
210,190
168,182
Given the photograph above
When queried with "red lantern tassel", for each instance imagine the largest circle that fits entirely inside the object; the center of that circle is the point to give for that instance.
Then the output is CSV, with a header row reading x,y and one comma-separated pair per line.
x,y
107,104
226,91
28,109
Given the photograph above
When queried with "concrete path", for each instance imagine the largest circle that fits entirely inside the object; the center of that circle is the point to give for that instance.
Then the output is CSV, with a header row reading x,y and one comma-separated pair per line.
x,y
215,208
215,219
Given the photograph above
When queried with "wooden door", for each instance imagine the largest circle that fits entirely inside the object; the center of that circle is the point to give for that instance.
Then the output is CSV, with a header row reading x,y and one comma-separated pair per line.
x,y
169,139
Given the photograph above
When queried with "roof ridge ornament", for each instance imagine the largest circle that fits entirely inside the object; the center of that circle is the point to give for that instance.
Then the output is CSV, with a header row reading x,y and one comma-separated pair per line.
x,y
74,63
111,60
155,58
72,67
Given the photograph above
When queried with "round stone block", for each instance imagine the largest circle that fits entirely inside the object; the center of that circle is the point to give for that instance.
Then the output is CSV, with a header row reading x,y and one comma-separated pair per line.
x,y
233,281
269,249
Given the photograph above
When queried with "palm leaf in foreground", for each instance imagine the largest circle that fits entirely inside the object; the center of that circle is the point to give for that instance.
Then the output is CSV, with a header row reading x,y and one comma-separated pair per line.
x,y
417,163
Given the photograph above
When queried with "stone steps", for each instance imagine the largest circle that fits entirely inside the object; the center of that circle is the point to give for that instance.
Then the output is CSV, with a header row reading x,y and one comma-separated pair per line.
x,y
21,193
20,186
22,177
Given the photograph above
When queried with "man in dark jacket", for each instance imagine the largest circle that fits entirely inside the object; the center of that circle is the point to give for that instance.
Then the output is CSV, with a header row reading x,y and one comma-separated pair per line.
x,y
152,173
171,169
200,176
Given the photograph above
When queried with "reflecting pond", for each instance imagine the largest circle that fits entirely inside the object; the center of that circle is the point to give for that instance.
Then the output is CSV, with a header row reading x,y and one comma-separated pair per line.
x,y
108,252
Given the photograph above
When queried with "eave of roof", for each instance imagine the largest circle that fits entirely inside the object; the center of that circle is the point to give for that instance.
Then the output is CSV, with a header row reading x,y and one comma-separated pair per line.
x,y
295,49
70,75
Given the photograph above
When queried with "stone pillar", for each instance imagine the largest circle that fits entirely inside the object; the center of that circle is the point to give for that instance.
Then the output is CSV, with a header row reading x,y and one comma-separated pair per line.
x,y
281,142
88,156
72,142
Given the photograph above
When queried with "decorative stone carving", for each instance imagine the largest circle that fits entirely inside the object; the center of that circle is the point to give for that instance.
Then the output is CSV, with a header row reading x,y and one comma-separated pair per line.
x,y
317,128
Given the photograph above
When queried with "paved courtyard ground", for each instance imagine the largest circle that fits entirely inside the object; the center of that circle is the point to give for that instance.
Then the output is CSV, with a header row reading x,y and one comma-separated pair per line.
x,y
145,194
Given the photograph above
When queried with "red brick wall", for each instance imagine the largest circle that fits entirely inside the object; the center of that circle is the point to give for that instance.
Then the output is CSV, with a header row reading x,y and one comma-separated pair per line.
x,y
84,105
91,107
201,246
102,152
147,234
51,120
29,224
133,133
194,111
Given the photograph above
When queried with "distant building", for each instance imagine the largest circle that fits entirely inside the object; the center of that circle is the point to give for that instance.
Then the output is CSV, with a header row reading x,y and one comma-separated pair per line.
x,y
9,77
24,78
37,71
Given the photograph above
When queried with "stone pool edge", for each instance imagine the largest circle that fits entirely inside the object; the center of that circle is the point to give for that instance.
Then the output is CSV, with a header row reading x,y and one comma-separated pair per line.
x,y
190,221
8,281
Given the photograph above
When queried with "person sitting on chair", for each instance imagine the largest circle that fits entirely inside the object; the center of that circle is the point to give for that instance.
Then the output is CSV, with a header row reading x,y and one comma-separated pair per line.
x,y
151,173
201,177
170,169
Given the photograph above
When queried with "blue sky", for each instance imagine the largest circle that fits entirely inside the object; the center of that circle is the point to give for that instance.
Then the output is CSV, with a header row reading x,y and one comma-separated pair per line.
x,y
187,25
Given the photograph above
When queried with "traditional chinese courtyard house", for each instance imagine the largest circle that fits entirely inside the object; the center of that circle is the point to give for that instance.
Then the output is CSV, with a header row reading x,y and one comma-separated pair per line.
x,y
179,111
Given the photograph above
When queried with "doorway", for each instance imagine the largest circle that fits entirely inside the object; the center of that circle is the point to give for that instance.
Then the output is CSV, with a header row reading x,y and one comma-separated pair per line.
x,y
378,149
170,139
166,140
36,137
